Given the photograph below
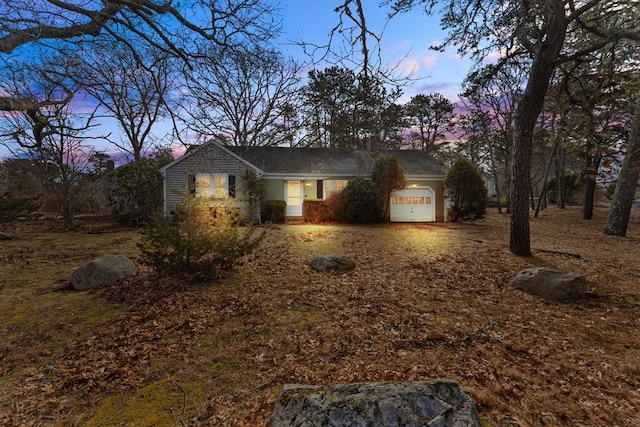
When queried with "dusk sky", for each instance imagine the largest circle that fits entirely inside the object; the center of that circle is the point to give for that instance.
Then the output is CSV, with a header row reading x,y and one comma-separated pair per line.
x,y
405,39
404,46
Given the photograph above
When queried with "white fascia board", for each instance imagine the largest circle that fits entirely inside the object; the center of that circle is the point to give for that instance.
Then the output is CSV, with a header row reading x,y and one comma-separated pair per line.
x,y
290,177
424,177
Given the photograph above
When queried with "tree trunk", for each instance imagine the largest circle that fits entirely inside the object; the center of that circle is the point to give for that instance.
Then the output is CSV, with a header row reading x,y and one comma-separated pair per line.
x,y
533,197
618,218
590,187
545,178
496,179
526,116
560,190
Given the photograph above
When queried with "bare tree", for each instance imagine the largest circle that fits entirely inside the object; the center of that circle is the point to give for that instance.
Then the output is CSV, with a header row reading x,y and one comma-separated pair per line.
x,y
244,96
131,92
46,27
494,96
432,116
59,153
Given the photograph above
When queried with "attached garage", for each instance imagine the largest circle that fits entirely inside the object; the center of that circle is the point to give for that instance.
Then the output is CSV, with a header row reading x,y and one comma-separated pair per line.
x,y
413,205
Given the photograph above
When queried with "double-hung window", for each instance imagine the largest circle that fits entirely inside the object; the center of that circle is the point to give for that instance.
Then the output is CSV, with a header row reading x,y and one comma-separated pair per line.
x,y
212,185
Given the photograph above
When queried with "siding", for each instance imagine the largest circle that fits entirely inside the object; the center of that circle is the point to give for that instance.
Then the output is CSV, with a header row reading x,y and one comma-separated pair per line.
x,y
207,159
310,189
275,189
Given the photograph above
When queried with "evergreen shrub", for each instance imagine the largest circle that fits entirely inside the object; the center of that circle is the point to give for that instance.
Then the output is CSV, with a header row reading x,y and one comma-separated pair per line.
x,y
199,243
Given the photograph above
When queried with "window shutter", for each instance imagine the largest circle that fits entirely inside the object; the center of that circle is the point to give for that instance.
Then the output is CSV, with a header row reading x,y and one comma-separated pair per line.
x,y
232,186
319,188
191,184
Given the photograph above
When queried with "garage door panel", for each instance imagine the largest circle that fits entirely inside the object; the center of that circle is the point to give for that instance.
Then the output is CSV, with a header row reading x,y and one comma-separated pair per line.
x,y
413,205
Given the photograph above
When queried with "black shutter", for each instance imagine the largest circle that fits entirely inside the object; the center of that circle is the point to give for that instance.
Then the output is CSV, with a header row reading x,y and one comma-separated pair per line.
x,y
232,186
319,189
191,184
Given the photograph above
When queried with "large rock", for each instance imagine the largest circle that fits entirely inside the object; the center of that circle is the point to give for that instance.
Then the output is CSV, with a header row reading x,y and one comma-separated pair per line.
x,y
331,262
108,268
437,403
6,236
550,284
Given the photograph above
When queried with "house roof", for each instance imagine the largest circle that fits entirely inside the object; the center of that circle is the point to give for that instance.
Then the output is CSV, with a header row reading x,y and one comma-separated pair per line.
x,y
330,161
320,163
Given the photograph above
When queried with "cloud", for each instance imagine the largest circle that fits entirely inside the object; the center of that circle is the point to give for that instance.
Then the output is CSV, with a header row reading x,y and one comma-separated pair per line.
x,y
408,65
430,61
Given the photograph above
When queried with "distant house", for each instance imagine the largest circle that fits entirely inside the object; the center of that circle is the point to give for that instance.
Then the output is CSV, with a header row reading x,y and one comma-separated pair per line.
x,y
298,174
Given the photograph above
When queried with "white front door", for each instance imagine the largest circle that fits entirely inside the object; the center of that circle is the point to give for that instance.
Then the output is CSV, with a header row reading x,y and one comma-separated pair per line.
x,y
293,196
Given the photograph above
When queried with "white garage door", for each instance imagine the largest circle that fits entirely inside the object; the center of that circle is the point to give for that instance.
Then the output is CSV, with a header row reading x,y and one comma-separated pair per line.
x,y
413,205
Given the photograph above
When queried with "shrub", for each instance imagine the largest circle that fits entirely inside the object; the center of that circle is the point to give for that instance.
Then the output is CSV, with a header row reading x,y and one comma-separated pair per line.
x,y
315,211
362,202
137,195
571,186
335,207
388,176
466,190
255,192
12,207
274,211
200,243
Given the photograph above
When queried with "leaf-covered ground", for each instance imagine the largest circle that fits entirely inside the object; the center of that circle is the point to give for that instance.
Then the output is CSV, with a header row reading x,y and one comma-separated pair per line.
x,y
425,301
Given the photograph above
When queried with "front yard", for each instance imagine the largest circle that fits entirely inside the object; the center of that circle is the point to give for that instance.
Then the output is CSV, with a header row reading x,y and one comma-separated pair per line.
x,y
425,301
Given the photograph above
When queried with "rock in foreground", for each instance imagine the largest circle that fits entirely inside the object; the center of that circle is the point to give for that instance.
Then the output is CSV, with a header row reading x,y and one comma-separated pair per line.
x,y
331,262
440,403
6,236
108,268
550,284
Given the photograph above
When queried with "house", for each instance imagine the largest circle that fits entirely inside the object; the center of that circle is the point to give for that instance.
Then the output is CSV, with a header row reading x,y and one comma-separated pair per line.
x,y
298,174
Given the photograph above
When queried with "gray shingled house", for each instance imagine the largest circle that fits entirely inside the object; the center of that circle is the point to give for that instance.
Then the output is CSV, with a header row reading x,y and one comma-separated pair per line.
x,y
298,174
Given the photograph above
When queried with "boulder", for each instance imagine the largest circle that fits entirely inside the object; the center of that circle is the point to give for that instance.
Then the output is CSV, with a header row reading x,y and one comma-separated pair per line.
x,y
331,262
108,268
6,236
437,403
550,284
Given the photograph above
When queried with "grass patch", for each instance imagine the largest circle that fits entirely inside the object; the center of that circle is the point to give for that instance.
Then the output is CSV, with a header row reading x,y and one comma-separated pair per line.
x,y
163,403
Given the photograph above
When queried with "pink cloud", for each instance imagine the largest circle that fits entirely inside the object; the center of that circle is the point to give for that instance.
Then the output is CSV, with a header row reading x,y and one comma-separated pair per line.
x,y
430,61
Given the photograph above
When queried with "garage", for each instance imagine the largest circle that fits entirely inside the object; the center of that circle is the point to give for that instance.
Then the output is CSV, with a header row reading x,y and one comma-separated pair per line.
x,y
413,205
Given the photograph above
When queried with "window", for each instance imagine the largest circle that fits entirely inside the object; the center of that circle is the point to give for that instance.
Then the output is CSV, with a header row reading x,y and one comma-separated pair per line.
x,y
334,186
209,185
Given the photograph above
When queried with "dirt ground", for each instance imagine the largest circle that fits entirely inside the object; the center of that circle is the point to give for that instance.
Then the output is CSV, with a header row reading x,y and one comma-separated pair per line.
x,y
425,301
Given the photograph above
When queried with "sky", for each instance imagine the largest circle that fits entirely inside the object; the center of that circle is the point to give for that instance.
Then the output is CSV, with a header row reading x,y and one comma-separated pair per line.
x,y
404,46
405,42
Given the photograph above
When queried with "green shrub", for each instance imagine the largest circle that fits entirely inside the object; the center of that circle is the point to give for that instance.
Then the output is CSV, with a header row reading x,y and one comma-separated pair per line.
x,y
255,192
388,176
274,211
13,207
199,243
571,186
362,202
466,191
137,195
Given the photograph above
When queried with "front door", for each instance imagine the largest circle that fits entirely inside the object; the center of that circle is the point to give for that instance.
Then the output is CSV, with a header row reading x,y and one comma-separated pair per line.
x,y
293,196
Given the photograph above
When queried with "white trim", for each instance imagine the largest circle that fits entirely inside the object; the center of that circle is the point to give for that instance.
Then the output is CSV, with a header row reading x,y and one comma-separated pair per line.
x,y
298,208
164,191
